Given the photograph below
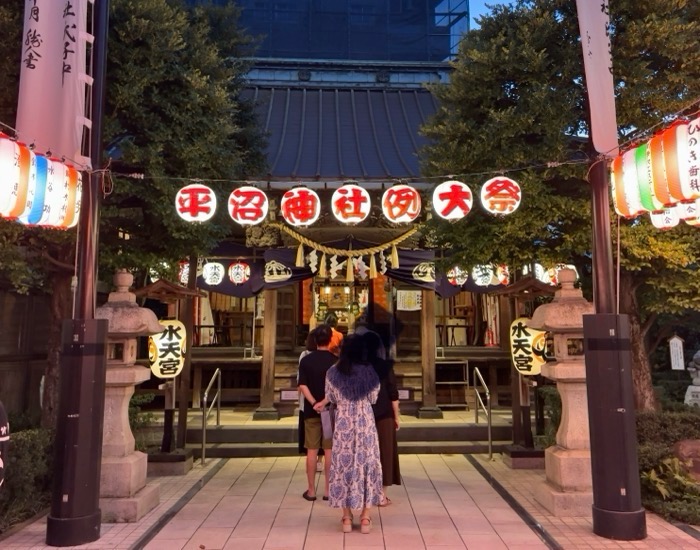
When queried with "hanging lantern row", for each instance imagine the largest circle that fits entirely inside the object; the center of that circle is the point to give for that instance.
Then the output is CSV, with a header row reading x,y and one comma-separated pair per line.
x,y
351,204
37,190
661,177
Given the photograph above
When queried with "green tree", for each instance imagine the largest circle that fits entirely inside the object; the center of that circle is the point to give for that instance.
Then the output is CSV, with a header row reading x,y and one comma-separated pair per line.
x,y
517,100
172,114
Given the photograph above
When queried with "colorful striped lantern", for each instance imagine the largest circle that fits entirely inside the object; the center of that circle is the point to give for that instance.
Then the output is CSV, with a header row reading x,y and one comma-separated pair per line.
x,y
70,209
34,214
647,196
658,170
625,190
54,193
16,160
9,174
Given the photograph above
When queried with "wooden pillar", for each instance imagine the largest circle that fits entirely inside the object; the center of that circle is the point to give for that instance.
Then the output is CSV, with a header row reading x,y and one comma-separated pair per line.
x,y
267,410
185,375
429,409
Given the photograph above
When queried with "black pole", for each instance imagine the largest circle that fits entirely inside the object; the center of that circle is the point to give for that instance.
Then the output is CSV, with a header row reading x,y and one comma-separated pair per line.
x,y
603,267
617,507
75,516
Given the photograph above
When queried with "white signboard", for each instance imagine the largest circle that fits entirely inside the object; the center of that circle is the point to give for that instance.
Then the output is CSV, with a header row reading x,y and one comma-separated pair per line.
x,y
675,345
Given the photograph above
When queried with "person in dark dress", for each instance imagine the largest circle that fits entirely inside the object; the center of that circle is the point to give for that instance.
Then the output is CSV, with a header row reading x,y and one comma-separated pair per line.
x,y
312,384
386,413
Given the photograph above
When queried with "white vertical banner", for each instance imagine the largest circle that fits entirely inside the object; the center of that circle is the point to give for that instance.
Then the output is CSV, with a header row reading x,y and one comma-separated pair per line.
x,y
53,78
594,25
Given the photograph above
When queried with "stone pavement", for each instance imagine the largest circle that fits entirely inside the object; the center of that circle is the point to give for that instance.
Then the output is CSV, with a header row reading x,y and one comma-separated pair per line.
x,y
446,502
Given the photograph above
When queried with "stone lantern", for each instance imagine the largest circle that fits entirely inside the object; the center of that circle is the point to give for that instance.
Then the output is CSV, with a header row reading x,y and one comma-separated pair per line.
x,y
568,490
124,494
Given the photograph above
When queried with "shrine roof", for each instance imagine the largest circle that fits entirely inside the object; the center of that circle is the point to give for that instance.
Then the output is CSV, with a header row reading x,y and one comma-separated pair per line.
x,y
342,133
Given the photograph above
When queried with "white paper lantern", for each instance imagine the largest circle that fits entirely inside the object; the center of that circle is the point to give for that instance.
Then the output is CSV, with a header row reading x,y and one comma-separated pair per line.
x,y
401,204
351,204
300,207
452,200
501,195
248,205
195,203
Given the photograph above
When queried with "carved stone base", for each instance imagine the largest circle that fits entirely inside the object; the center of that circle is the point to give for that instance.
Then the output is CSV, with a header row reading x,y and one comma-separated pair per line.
x,y
430,412
692,395
564,504
266,413
132,509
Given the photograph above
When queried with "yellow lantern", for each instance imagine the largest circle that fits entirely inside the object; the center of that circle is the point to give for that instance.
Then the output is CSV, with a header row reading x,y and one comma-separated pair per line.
x,y
528,347
166,351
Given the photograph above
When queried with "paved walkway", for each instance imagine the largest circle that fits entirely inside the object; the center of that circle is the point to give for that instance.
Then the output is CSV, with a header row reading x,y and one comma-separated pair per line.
x,y
446,502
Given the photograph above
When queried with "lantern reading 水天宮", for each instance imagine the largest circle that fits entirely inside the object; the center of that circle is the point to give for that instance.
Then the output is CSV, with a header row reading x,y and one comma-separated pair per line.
x,y
528,347
239,273
166,350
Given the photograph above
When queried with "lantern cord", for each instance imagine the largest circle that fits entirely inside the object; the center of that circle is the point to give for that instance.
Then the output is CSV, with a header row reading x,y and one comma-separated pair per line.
x,y
339,251
685,112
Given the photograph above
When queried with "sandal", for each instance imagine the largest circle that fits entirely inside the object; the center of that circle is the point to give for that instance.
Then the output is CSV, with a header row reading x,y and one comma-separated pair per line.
x,y
347,524
386,501
365,528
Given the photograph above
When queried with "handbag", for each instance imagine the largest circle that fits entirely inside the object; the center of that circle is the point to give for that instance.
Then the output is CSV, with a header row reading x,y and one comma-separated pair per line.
x,y
328,421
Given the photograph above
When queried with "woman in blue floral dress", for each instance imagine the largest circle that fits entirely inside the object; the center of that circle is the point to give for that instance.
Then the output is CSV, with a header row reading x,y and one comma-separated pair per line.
x,y
356,471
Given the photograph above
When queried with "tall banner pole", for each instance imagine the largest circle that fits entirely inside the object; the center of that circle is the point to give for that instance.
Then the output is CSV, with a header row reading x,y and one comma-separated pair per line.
x,y
617,508
75,516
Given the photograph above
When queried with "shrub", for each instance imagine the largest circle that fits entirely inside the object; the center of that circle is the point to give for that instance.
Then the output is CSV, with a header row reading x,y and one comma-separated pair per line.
x,y
28,474
139,420
552,410
666,486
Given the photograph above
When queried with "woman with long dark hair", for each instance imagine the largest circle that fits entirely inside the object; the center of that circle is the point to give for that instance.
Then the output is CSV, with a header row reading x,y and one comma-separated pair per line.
x,y
356,471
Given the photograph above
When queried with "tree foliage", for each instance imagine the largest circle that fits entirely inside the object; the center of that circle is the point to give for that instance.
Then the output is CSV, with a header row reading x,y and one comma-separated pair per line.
x,y
517,100
174,115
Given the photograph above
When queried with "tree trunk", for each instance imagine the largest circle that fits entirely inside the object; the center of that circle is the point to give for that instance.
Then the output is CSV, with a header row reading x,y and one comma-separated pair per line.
x,y
60,310
644,397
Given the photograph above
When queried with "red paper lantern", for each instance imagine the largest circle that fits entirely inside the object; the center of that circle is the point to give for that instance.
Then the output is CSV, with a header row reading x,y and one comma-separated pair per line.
x,y
452,200
401,204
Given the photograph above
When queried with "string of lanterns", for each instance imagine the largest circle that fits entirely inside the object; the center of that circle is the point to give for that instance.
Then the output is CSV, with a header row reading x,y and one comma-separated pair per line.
x,y
36,189
660,177
350,203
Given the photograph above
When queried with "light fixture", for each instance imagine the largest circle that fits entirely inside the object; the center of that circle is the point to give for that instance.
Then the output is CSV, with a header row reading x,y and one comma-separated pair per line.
x,y
347,290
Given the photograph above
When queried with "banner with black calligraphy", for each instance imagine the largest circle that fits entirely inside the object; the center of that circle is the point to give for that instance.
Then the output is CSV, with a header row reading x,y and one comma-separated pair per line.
x,y
53,78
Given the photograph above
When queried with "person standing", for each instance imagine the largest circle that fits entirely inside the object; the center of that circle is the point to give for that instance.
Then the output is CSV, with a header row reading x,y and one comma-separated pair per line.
x,y
4,441
356,471
336,335
386,413
312,384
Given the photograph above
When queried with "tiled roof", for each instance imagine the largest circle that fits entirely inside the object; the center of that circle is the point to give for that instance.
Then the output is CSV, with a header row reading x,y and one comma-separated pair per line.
x,y
341,133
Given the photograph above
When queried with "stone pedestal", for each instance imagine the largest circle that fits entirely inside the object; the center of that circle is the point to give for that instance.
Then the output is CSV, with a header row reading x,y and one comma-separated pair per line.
x,y
568,490
124,494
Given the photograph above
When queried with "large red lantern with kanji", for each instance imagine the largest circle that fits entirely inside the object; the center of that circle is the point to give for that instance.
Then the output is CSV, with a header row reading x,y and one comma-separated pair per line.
x,y
300,206
501,195
401,204
351,204
195,203
248,205
452,200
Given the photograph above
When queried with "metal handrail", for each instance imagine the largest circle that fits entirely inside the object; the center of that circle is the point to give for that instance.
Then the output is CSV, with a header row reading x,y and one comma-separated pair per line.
x,y
480,405
206,412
